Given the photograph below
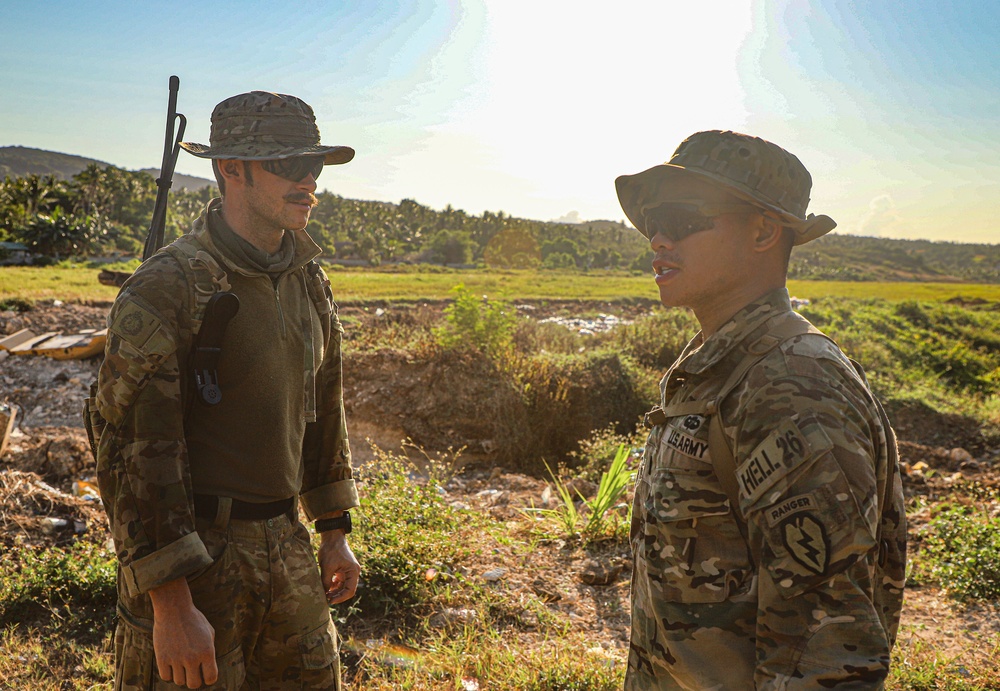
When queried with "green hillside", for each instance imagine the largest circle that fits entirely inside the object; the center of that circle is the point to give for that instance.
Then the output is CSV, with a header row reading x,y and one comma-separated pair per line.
x,y
21,161
851,258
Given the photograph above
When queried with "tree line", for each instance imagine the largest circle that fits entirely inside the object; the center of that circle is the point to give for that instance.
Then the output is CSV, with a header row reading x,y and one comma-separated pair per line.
x,y
106,210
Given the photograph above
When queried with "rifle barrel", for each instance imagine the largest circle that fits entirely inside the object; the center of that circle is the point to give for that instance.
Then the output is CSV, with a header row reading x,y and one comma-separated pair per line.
x,y
171,148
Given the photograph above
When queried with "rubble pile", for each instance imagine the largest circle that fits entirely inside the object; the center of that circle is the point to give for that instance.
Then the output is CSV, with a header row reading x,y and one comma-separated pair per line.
x,y
55,316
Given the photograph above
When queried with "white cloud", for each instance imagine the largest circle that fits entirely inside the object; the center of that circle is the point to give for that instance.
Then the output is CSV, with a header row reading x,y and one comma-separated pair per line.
x,y
881,219
571,217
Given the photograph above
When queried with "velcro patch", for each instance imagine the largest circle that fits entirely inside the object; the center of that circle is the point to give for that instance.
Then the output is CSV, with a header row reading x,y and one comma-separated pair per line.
x,y
685,443
135,324
805,539
789,507
784,449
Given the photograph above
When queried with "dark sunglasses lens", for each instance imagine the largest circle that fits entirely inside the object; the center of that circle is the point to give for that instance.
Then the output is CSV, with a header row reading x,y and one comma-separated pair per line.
x,y
295,169
676,222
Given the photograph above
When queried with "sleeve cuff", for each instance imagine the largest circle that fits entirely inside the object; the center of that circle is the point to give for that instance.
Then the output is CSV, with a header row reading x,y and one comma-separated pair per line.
x,y
178,559
336,496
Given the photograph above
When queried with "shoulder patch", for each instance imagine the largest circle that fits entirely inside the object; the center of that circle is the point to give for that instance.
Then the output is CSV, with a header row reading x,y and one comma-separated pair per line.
x,y
135,324
793,505
806,541
787,447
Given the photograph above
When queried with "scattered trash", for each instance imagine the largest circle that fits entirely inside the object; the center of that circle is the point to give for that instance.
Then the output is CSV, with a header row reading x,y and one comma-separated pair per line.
x,y
52,525
8,414
87,489
469,684
75,346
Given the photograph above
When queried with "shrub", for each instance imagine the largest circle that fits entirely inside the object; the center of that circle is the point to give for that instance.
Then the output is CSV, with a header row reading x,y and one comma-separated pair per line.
x,y
484,324
566,397
15,304
405,529
962,548
45,582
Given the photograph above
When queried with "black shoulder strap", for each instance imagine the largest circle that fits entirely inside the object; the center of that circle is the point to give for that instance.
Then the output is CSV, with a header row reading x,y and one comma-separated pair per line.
x,y
723,460
220,309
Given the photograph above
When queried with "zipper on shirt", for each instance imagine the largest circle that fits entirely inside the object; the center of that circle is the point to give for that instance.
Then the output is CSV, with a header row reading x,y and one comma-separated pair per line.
x,y
281,313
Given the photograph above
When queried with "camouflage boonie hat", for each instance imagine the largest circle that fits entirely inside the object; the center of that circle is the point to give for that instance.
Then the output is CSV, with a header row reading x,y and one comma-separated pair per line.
x,y
749,168
261,125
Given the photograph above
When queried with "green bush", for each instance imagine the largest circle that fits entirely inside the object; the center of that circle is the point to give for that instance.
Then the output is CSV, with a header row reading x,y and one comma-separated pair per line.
x,y
656,340
406,527
962,550
14,304
481,323
45,583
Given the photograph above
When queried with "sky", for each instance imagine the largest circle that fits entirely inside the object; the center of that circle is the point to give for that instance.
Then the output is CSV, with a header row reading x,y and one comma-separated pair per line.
x,y
534,107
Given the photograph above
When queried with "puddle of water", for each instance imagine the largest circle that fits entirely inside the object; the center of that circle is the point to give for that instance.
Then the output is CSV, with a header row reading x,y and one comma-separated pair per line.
x,y
588,326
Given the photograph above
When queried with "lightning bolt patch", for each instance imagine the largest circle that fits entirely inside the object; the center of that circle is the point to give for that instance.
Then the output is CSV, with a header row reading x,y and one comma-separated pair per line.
x,y
805,539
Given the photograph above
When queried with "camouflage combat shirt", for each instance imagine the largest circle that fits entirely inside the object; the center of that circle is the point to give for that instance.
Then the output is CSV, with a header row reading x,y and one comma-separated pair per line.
x,y
808,600
279,431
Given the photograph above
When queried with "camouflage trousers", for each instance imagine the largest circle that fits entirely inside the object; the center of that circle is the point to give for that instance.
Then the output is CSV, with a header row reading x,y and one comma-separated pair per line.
x,y
263,596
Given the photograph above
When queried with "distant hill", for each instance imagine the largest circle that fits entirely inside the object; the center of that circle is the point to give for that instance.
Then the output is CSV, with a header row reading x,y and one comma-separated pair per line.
x,y
18,161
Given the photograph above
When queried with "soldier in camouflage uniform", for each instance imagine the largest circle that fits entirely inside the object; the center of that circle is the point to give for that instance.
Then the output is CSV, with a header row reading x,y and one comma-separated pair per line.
x,y
783,566
218,582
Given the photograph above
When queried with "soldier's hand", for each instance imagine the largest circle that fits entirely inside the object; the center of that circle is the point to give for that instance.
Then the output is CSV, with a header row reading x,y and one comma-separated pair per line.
x,y
183,640
338,567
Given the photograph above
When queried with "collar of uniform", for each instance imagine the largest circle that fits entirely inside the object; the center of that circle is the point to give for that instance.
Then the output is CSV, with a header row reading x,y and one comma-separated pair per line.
x,y
699,356
306,248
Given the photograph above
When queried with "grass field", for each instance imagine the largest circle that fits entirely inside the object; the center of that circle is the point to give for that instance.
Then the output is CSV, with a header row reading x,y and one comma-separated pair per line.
x,y
79,284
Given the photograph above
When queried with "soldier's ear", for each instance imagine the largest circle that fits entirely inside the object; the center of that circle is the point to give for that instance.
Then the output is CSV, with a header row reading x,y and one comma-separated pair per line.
x,y
230,169
768,233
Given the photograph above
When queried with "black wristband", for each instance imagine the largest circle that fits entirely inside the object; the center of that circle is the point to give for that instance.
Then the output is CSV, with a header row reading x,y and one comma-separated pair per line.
x,y
324,525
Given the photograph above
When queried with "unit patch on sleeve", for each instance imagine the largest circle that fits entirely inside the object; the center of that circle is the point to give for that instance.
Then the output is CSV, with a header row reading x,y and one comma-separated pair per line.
x,y
135,324
805,539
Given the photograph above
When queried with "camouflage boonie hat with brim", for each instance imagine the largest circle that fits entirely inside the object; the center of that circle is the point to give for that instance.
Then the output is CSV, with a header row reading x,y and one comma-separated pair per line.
x,y
749,168
261,125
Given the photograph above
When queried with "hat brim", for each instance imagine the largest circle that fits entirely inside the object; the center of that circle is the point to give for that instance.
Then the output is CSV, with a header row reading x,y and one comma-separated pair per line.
x,y
332,155
666,182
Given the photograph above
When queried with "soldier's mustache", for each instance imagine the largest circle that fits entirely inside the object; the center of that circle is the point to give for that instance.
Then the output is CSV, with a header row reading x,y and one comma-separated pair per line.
x,y
302,198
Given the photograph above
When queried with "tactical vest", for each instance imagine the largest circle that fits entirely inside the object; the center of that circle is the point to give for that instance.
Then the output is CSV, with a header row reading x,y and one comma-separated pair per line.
x,y
209,282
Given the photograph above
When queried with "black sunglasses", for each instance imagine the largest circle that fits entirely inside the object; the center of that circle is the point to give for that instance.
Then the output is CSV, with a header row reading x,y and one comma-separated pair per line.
x,y
677,221
295,168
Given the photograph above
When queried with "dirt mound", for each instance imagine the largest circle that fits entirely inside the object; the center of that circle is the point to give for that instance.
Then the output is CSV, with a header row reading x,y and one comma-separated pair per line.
x,y
55,316
917,422
453,400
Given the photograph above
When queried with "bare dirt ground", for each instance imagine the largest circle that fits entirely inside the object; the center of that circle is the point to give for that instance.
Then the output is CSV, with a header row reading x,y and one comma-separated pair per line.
x,y
48,453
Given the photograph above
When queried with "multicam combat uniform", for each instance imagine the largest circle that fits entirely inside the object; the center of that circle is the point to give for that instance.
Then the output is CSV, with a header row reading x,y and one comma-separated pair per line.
x,y
278,432
814,601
